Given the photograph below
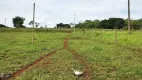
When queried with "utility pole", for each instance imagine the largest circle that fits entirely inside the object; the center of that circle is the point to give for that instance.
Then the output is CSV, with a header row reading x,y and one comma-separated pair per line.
x,y
33,23
5,21
129,26
74,21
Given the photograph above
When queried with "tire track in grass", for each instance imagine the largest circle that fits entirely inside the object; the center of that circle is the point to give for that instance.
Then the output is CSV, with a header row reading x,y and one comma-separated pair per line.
x,y
66,40
17,73
82,61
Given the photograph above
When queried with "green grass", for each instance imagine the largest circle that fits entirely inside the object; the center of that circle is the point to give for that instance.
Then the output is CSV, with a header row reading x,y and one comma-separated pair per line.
x,y
57,67
108,36
107,60
17,50
110,61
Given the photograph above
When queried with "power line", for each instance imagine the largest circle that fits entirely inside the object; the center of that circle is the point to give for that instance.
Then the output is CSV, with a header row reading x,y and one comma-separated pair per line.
x,y
16,5
46,10
140,5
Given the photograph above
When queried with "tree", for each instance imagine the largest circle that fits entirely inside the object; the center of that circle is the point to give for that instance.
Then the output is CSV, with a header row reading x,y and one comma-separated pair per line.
x,y
2,26
60,25
89,24
36,23
66,26
18,22
86,24
113,23
96,24
80,25
136,24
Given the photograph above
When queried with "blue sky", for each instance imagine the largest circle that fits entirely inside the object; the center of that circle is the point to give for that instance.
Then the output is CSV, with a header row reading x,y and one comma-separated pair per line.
x,y
51,12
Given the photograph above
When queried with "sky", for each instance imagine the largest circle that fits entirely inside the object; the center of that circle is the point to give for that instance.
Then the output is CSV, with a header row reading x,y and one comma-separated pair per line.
x,y
51,12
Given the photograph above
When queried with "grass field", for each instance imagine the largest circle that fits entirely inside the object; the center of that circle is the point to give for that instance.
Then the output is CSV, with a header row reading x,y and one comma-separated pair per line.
x,y
108,36
109,60
106,59
17,50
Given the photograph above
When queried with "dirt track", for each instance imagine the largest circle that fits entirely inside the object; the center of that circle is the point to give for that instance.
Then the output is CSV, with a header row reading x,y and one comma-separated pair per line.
x,y
28,67
82,61
80,58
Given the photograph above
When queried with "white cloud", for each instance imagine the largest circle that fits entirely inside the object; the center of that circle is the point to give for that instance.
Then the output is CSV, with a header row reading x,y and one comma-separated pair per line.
x,y
56,11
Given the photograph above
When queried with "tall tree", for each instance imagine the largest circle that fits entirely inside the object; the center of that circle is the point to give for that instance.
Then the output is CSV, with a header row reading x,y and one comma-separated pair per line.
x,y
18,22
112,23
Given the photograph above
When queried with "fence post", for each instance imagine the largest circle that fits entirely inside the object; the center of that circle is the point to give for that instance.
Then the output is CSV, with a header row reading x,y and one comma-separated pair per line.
x,y
101,34
92,33
115,40
86,33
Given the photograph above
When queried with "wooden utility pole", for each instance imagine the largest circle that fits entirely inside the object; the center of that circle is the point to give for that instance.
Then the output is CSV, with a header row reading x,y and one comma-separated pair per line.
x,y
101,34
129,26
33,23
115,40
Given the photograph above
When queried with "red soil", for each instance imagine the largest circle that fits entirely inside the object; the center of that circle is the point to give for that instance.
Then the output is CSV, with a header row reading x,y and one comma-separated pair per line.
x,y
82,61
15,74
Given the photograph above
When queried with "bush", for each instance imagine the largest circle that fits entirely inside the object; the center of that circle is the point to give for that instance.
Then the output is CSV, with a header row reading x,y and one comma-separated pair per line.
x,y
2,26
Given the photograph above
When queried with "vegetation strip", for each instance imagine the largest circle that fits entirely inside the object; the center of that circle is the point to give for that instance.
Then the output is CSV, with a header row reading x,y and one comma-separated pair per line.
x,y
117,44
87,73
15,74
81,60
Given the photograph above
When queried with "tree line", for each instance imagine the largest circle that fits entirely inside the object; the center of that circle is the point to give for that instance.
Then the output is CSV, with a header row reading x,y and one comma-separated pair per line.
x,y
61,25
111,23
18,23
